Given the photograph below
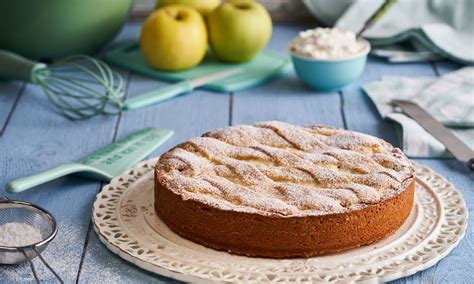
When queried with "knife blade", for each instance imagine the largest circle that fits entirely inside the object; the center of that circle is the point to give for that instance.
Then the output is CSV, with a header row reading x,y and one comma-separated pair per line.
x,y
176,89
453,144
201,81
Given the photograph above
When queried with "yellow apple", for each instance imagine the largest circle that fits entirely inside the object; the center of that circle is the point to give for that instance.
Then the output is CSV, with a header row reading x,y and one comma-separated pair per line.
x,y
203,6
174,38
239,30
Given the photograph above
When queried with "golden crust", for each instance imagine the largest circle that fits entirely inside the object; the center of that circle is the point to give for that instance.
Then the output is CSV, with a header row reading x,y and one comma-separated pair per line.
x,y
274,168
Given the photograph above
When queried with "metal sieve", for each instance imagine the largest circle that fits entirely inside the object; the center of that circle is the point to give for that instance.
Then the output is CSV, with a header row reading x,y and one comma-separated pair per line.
x,y
33,215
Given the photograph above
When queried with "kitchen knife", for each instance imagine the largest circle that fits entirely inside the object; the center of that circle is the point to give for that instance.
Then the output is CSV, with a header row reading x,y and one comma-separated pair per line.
x,y
176,89
104,164
452,143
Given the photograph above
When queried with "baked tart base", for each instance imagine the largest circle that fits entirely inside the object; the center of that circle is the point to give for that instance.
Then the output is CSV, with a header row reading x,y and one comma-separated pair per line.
x,y
256,235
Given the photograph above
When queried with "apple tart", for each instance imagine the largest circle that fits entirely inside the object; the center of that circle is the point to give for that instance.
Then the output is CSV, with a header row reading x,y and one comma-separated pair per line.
x,y
278,190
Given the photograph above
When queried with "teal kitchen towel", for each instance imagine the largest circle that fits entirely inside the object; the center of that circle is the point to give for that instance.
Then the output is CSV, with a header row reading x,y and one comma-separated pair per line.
x,y
450,99
444,27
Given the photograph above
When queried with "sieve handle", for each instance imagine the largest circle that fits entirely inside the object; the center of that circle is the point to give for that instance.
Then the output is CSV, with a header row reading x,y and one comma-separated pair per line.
x,y
32,266
25,183
47,265
17,67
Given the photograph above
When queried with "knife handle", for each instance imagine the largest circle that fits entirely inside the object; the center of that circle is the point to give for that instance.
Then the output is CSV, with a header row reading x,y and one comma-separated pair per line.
x,y
157,96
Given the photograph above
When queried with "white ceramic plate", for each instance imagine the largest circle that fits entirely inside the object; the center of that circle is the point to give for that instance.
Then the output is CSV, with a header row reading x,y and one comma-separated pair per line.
x,y
125,221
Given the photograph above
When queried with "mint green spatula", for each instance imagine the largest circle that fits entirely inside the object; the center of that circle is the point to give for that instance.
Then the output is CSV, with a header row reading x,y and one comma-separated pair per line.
x,y
104,164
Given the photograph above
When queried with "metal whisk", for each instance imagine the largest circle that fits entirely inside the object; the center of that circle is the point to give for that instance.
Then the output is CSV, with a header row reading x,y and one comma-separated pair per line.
x,y
79,86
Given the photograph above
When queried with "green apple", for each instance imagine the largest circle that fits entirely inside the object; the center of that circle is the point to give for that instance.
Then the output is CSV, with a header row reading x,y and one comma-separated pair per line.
x,y
203,6
239,30
174,38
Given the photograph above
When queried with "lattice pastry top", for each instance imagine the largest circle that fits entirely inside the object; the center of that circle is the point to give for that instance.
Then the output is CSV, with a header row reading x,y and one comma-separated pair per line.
x,y
275,168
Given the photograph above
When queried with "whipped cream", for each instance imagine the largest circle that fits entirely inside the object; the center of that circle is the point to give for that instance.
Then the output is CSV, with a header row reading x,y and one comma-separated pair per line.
x,y
327,43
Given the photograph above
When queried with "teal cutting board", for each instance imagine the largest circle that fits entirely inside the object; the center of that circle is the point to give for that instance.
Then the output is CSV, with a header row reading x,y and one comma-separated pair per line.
x,y
265,66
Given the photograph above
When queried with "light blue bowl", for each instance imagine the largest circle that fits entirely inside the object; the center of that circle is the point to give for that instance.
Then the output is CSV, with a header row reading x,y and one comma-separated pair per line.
x,y
330,74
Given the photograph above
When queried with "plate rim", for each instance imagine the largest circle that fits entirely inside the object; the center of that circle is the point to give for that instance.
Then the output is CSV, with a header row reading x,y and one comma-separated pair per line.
x,y
187,277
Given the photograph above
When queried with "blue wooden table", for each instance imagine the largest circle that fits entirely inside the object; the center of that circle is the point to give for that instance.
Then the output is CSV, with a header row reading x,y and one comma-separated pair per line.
x,y
34,138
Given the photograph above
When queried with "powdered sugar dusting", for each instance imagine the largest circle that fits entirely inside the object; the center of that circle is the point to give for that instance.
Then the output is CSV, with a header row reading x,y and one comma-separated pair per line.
x,y
59,254
19,234
275,168
65,260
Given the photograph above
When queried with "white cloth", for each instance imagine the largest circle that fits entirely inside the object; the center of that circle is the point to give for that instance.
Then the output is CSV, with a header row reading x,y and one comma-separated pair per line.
x,y
445,27
450,99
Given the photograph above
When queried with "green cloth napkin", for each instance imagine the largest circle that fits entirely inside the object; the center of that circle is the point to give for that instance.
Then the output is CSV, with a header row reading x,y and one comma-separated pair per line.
x,y
444,27
450,99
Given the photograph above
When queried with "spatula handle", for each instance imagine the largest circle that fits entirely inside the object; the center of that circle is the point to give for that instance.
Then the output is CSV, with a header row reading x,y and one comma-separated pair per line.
x,y
25,183
159,95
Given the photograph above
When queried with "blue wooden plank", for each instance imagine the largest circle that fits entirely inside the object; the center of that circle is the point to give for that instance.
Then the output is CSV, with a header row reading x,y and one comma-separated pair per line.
x,y
453,268
10,93
189,116
286,98
282,35
362,116
272,103
456,267
103,266
37,139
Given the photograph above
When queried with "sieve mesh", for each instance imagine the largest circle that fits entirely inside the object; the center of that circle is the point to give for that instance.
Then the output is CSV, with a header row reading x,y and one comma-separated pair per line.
x,y
26,214
35,216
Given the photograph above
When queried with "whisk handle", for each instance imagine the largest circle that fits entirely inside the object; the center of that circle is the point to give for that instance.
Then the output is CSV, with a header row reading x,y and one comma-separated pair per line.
x,y
17,67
